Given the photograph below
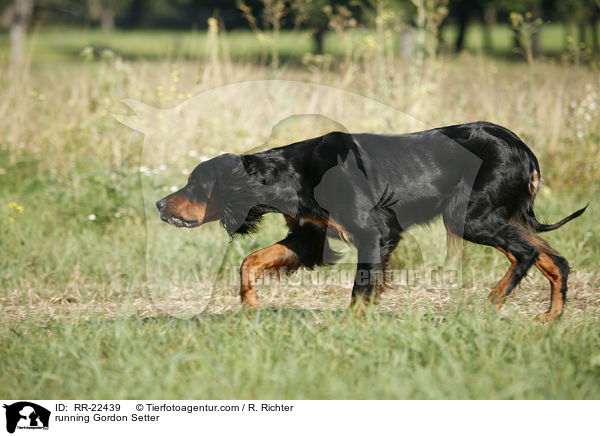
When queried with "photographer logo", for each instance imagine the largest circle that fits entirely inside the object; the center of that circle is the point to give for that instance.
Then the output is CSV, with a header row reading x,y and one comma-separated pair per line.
x,y
25,415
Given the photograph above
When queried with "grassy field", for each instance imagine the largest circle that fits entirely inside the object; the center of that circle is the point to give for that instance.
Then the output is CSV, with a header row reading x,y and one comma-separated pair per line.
x,y
99,299
59,45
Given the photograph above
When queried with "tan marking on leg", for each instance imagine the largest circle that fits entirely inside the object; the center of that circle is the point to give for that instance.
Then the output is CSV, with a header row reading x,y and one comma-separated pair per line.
x,y
547,266
256,264
551,271
497,296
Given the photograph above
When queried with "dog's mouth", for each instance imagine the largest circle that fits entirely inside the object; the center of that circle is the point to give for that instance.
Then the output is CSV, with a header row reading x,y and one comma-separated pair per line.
x,y
178,221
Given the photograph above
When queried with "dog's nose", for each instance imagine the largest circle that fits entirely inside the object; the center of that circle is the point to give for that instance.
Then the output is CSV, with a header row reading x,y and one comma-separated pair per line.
x,y
160,205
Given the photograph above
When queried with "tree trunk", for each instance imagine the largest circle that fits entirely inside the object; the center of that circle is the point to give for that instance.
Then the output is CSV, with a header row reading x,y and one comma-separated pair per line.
x,y
107,17
593,16
21,13
407,43
516,39
536,47
134,14
463,17
594,23
489,21
319,39
582,31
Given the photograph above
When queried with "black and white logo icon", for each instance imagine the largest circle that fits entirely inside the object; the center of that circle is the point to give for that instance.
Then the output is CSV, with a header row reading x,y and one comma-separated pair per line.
x,y
26,415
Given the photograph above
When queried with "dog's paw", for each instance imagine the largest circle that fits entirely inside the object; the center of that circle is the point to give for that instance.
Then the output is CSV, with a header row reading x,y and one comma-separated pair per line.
x,y
547,317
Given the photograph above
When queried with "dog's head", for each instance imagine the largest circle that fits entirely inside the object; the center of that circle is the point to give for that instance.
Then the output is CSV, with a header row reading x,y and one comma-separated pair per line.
x,y
198,202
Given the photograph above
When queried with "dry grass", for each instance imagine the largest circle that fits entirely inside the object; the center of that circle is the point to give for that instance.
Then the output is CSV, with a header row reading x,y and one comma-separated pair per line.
x,y
530,299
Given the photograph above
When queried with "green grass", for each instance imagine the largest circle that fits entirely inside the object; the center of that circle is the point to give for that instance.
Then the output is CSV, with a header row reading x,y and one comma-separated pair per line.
x,y
303,354
89,309
552,37
77,315
55,46
58,45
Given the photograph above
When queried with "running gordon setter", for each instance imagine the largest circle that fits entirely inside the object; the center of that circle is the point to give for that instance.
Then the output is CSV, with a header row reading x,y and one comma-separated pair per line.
x,y
367,189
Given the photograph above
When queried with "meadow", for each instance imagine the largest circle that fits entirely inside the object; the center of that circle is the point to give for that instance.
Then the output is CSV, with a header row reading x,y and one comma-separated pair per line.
x,y
99,299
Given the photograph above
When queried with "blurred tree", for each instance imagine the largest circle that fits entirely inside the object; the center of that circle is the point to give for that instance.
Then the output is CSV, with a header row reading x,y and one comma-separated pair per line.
x,y
134,13
268,26
20,19
524,7
490,13
579,13
311,14
107,15
103,11
594,19
315,15
463,10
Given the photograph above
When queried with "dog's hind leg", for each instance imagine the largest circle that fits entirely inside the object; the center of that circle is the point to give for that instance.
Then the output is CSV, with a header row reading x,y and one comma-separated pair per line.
x,y
520,245
497,295
513,241
556,269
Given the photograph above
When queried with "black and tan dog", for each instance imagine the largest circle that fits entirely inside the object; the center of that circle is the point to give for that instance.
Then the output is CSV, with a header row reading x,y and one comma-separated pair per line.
x,y
367,189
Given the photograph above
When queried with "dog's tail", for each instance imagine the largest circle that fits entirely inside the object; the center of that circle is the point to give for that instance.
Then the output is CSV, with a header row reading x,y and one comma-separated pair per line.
x,y
533,187
538,227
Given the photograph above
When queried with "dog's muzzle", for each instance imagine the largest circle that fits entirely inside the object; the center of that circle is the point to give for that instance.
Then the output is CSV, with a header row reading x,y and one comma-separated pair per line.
x,y
174,220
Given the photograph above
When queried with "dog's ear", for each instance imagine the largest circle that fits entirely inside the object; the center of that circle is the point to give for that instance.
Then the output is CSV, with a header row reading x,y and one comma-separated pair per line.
x,y
227,171
227,164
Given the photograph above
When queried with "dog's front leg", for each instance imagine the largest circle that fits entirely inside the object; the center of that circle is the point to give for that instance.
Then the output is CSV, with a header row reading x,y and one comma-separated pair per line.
x,y
369,273
275,257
